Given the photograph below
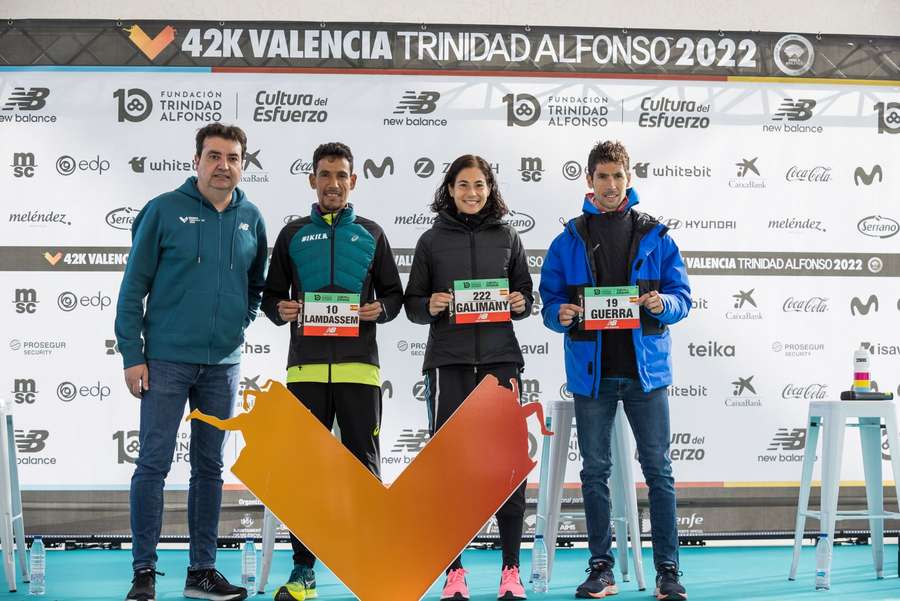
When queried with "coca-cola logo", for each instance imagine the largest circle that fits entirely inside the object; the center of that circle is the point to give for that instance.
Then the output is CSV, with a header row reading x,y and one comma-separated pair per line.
x,y
817,174
301,167
813,304
810,391
520,221
876,226
121,218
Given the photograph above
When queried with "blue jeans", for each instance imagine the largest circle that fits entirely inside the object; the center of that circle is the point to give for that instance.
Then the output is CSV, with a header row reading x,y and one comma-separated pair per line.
x,y
648,414
212,390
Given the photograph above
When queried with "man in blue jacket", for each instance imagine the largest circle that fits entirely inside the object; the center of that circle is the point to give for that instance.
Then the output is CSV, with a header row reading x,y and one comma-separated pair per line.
x,y
613,282
198,257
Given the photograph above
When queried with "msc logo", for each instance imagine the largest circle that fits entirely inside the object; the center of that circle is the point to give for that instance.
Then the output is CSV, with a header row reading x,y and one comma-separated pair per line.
x,y
377,171
417,103
521,109
424,167
24,391
857,306
25,300
795,110
860,175
793,439
30,99
23,164
411,441
31,441
532,169
134,104
531,391
128,446
888,117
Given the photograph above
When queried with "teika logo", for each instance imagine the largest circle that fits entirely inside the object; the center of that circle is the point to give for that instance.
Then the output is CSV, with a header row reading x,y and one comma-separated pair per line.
x,y
151,47
711,348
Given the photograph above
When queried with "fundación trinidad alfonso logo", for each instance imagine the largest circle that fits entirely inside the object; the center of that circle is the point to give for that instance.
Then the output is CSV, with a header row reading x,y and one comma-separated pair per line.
x,y
151,47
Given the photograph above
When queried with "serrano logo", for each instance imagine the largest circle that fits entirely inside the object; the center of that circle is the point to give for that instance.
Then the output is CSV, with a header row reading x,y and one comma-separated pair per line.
x,y
877,226
151,47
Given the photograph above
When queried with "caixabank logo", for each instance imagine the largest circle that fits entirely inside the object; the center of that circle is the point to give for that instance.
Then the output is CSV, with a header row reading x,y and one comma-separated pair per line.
x,y
748,175
744,306
743,394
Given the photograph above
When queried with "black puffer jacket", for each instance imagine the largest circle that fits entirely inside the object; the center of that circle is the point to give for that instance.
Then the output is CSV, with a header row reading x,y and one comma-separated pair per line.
x,y
454,250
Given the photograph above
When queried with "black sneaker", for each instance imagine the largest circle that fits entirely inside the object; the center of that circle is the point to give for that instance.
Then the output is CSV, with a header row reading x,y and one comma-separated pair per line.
x,y
600,582
143,585
211,584
667,586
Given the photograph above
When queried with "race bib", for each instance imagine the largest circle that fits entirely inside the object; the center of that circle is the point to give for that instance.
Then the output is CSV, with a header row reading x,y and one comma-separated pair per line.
x,y
330,314
611,308
480,301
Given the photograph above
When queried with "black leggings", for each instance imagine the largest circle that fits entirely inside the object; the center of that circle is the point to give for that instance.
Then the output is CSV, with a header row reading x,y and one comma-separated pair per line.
x,y
357,408
445,390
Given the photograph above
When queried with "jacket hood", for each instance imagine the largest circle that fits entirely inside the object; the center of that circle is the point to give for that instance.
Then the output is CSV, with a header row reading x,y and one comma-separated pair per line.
x,y
631,199
189,188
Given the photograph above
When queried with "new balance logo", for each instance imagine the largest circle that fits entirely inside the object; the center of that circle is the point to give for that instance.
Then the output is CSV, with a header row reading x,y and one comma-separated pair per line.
x,y
417,103
860,175
858,307
377,171
30,99
794,110
785,439
31,441
411,441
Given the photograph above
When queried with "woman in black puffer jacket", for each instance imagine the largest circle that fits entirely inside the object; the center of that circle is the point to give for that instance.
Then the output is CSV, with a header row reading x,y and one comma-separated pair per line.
x,y
469,241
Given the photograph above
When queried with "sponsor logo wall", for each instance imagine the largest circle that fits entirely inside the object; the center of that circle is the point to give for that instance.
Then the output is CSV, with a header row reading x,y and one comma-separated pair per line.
x,y
791,241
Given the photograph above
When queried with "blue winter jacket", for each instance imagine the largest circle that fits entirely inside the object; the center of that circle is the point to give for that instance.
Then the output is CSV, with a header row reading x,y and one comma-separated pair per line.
x,y
655,264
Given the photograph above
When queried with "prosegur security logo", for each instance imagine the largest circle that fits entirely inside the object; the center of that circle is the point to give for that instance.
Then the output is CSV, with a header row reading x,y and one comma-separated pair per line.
x,y
793,54
151,47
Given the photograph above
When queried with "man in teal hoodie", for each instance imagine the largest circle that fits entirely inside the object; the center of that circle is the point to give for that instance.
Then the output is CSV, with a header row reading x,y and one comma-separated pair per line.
x,y
198,259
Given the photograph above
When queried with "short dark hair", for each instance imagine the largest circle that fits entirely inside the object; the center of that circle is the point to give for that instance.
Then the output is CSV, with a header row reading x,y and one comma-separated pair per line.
x,y
218,130
332,149
495,206
608,151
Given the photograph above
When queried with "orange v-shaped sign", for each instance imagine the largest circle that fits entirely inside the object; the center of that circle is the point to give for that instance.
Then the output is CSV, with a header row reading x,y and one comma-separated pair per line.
x,y
362,529
151,47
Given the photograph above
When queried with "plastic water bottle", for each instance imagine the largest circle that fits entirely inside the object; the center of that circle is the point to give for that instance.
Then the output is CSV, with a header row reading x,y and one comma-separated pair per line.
x,y
823,562
248,565
38,561
539,565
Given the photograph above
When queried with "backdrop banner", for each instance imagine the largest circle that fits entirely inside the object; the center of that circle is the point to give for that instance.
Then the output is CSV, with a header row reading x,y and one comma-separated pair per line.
x,y
772,158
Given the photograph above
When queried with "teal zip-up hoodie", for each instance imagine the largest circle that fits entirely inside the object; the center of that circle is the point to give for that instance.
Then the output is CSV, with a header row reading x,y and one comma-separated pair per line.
x,y
202,273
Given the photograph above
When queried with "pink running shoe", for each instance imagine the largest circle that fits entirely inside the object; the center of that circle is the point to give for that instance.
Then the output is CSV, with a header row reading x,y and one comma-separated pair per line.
x,y
511,585
455,588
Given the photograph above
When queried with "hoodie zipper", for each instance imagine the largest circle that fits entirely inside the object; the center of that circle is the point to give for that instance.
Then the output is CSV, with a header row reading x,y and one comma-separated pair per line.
x,y
593,368
218,288
477,329
331,343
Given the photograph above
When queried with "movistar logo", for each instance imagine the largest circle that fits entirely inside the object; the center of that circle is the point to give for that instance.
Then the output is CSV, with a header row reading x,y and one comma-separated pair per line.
x,y
311,237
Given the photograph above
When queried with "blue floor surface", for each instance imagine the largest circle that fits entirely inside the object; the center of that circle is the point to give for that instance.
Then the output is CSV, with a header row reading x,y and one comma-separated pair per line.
x,y
710,573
